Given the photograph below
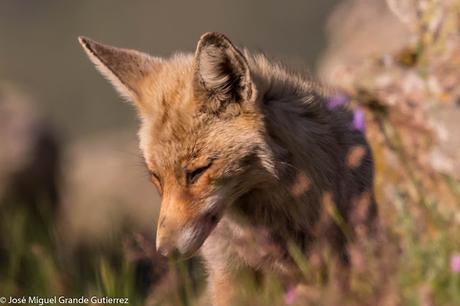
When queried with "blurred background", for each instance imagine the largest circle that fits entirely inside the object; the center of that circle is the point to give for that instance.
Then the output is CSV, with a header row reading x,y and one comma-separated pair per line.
x,y
77,210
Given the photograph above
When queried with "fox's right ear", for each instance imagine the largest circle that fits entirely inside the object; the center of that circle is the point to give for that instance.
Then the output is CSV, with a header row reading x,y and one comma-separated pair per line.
x,y
221,70
125,69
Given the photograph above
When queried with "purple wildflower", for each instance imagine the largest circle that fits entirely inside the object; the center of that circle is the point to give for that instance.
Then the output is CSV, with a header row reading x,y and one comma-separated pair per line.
x,y
359,123
336,101
290,296
455,263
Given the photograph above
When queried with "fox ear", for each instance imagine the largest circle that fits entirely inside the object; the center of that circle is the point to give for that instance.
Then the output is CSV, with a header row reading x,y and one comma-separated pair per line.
x,y
125,69
221,70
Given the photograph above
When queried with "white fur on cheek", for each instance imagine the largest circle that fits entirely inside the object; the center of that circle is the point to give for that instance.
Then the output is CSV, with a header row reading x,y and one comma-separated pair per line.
x,y
222,196
211,202
186,239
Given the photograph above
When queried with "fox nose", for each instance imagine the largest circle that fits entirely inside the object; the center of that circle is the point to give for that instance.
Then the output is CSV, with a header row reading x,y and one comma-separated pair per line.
x,y
165,246
162,247
168,251
163,251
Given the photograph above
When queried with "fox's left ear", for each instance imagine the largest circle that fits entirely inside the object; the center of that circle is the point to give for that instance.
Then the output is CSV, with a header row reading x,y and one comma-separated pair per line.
x,y
221,71
126,69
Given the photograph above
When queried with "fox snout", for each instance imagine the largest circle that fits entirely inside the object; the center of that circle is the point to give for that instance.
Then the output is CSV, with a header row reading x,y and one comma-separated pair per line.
x,y
180,231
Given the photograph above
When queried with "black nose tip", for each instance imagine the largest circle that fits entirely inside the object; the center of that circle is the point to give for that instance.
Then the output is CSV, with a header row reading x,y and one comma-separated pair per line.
x,y
169,252
163,251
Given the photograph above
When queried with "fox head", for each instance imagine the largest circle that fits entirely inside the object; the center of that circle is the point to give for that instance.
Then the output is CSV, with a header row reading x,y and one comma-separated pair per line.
x,y
201,134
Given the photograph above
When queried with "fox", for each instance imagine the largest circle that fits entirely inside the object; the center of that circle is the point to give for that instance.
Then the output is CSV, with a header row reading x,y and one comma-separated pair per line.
x,y
249,158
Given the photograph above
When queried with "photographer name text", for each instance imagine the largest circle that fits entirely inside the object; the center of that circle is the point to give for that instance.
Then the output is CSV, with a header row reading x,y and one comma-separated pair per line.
x,y
53,300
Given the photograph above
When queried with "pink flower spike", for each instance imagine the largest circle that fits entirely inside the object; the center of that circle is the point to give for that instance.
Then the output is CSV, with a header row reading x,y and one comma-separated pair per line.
x,y
290,296
337,101
359,123
455,263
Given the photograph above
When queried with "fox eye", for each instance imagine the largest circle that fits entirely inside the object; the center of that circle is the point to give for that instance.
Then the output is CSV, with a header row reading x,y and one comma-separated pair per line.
x,y
155,176
156,179
193,176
